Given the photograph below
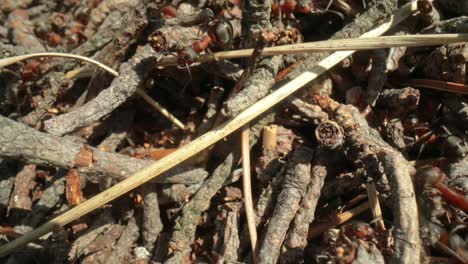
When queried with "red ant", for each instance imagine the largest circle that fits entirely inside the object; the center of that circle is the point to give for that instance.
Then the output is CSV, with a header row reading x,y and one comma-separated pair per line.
x,y
31,70
169,11
301,6
220,33
435,177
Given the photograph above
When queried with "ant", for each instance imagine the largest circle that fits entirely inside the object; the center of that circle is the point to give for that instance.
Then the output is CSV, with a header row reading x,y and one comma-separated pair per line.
x,y
288,7
220,33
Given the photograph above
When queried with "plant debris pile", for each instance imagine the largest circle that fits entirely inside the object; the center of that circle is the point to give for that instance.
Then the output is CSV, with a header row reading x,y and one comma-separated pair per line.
x,y
366,164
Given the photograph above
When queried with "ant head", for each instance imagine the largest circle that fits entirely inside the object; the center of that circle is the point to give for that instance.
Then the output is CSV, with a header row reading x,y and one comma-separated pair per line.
x,y
221,32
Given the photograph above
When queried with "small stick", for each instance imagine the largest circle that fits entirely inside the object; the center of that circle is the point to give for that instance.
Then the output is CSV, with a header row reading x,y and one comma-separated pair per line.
x,y
201,142
437,85
375,205
451,252
246,184
11,60
316,230
332,45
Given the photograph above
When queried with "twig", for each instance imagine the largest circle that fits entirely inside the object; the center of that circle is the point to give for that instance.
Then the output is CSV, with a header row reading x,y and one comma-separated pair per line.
x,y
200,143
231,238
247,188
152,224
442,86
295,183
333,45
19,141
306,110
12,60
363,143
214,101
184,229
296,240
450,252
318,229
122,249
50,198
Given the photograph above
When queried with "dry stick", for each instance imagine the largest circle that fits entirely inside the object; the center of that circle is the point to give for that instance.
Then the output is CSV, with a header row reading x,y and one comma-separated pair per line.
x,y
375,205
201,142
11,60
450,252
296,239
121,250
318,229
18,141
333,45
295,183
246,185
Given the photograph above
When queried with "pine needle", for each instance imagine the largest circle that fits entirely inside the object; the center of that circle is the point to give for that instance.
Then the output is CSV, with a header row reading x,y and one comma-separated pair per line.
x,y
332,45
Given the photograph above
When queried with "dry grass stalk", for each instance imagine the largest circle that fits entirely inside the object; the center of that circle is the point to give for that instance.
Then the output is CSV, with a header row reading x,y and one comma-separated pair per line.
x,y
247,189
375,205
333,45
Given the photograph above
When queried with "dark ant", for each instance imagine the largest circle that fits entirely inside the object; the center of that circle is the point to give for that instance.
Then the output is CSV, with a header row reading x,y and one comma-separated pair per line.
x,y
455,146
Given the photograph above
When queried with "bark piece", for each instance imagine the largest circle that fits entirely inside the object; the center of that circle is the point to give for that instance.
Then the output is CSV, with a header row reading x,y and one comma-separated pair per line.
x,y
100,249
20,200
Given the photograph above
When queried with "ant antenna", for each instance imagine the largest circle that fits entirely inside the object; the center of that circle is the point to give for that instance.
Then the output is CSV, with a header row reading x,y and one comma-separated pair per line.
x,y
190,77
